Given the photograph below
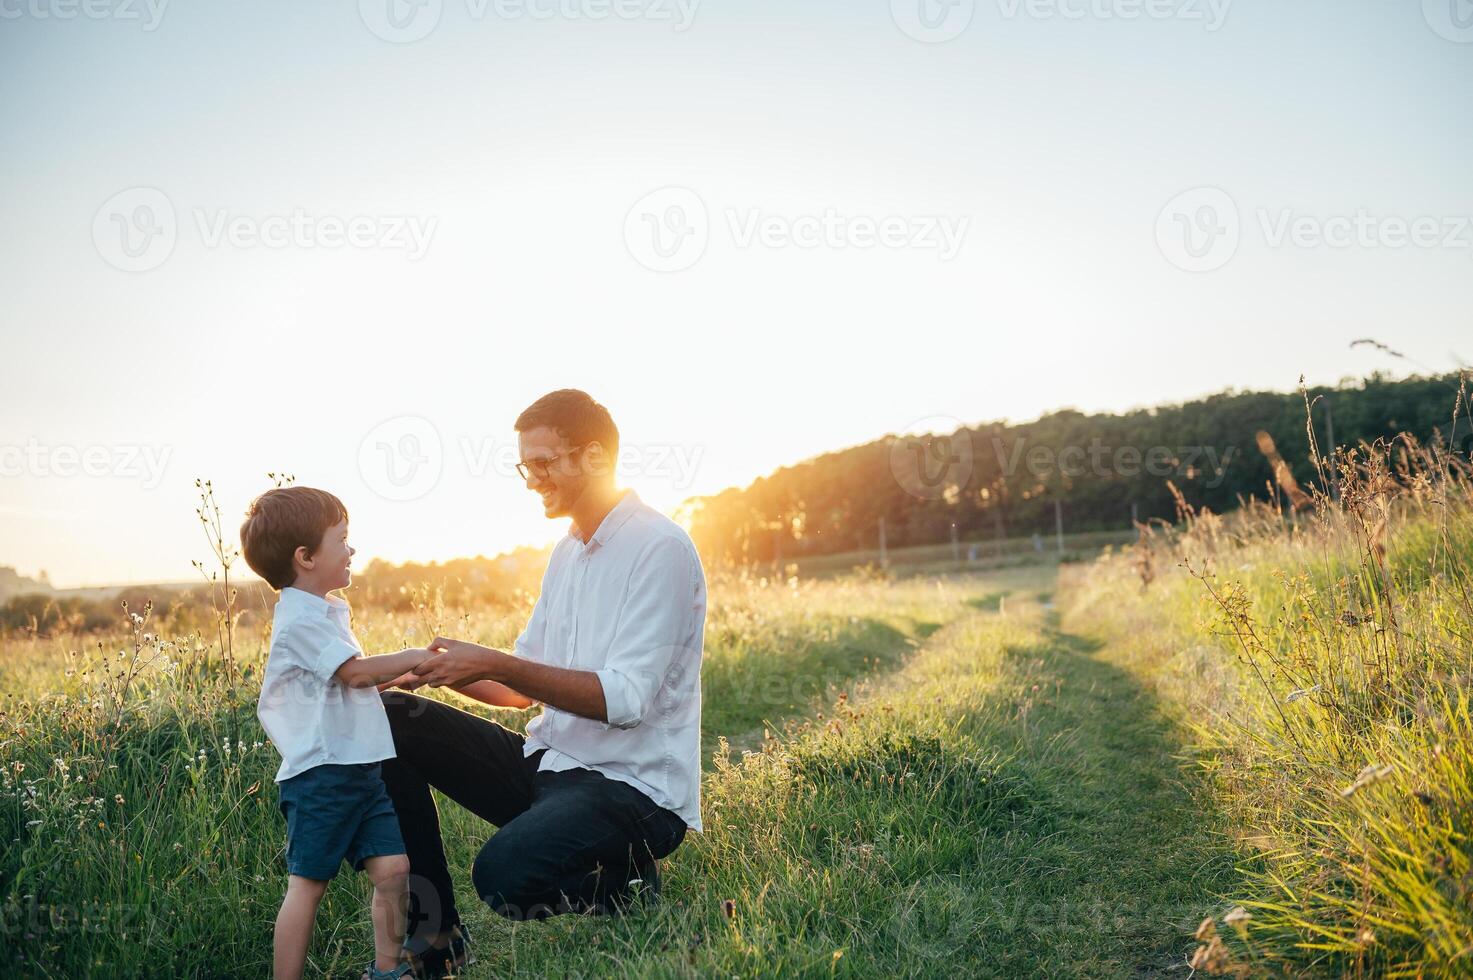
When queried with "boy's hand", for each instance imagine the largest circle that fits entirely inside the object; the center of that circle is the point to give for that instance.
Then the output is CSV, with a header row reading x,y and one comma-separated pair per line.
x,y
406,681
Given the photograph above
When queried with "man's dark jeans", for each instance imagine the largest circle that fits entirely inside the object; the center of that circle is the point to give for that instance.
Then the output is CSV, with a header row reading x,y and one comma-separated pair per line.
x,y
568,841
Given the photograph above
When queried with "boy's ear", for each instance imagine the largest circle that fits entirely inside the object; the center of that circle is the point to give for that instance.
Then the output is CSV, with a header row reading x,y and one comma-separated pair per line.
x,y
302,557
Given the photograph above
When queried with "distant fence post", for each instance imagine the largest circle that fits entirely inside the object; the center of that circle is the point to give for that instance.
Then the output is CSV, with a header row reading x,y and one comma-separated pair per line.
x,y
956,547
884,559
1059,524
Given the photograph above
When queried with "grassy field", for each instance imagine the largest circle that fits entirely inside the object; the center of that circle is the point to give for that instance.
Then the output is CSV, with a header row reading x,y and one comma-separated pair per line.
x,y
1324,669
1034,770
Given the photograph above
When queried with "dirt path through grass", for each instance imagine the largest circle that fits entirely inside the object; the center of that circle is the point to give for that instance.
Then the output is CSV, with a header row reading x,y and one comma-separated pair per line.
x,y
1006,802
1135,857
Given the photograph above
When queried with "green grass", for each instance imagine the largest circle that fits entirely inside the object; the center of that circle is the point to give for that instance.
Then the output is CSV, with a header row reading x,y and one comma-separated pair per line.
x,y
929,775
947,784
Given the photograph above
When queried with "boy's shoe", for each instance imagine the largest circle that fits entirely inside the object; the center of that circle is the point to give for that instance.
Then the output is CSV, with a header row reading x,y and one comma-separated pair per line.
x,y
397,973
429,963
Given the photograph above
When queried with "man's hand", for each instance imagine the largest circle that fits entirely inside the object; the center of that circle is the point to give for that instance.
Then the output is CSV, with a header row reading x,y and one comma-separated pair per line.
x,y
459,664
456,663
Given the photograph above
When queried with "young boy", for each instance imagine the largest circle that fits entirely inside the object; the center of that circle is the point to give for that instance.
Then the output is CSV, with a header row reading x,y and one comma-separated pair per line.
x,y
321,709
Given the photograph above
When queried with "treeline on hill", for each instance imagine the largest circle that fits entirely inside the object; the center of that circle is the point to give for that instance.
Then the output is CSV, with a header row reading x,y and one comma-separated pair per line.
x,y
512,579
1104,471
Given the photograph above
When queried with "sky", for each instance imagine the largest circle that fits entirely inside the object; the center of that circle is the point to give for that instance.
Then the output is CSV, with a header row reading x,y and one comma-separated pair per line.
x,y
351,241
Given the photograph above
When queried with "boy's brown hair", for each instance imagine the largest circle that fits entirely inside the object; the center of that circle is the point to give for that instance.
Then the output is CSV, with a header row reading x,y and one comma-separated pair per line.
x,y
280,521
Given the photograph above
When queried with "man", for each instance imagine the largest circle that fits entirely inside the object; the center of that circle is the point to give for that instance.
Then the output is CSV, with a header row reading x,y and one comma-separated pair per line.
x,y
607,778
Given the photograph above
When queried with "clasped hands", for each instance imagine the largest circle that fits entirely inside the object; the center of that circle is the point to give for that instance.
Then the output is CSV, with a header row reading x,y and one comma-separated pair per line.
x,y
450,663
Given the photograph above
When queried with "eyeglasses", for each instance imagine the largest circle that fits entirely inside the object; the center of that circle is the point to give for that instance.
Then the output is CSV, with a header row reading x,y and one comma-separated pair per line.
x,y
541,466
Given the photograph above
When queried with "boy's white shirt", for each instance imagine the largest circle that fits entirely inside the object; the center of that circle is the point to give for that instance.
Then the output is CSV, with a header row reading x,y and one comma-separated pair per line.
x,y
311,717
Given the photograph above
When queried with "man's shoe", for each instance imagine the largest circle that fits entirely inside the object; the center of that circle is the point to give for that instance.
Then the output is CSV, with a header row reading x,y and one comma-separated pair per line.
x,y
431,963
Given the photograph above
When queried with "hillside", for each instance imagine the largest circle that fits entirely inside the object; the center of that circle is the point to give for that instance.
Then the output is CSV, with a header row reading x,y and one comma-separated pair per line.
x,y
12,583
999,479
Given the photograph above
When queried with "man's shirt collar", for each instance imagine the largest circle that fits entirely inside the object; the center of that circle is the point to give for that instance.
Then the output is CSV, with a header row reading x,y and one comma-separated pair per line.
x,y
613,520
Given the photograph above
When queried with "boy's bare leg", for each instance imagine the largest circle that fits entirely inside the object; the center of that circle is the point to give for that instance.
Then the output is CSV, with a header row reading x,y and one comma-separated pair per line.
x,y
294,926
390,876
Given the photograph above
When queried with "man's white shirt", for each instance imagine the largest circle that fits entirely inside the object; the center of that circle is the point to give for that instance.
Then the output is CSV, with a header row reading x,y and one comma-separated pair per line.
x,y
310,716
630,606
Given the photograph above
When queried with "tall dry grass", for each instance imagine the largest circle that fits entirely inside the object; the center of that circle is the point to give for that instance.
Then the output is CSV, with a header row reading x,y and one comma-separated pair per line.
x,y
1323,656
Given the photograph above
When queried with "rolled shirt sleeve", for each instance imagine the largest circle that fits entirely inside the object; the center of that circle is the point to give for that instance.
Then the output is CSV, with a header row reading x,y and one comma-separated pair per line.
x,y
654,628
314,645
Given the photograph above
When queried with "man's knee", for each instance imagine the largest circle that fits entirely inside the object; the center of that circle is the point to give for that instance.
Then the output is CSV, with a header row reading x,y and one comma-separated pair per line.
x,y
508,882
498,876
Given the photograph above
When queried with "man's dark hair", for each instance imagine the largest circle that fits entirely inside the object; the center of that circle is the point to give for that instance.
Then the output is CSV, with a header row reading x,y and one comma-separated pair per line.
x,y
575,416
279,522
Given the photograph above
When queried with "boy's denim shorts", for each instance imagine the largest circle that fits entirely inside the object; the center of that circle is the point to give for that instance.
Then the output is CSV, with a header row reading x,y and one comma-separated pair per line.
x,y
335,812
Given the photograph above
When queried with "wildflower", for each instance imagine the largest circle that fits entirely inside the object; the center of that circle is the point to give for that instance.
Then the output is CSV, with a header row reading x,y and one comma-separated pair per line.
x,y
1369,775
118,799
